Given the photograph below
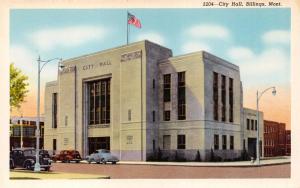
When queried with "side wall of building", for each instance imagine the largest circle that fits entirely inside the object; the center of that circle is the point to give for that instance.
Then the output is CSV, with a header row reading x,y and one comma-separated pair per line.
x,y
222,127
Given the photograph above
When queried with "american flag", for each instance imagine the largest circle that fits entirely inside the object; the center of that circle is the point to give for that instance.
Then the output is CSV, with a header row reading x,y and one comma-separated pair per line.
x,y
134,20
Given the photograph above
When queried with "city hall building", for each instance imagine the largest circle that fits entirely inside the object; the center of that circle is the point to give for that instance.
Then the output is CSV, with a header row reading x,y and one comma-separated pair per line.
x,y
137,99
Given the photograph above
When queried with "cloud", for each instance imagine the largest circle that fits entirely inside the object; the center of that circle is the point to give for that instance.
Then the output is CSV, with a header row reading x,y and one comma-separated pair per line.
x,y
276,37
209,31
152,36
240,53
270,66
195,46
50,38
26,61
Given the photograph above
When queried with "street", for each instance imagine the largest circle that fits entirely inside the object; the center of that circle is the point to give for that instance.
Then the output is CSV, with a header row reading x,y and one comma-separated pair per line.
x,y
145,171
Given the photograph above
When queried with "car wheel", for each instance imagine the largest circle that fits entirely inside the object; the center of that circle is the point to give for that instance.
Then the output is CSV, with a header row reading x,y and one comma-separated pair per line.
x,y
47,169
28,165
77,161
103,161
114,162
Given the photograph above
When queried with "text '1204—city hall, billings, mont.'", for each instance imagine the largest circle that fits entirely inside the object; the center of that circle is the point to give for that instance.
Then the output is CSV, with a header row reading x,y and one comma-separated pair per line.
x,y
138,99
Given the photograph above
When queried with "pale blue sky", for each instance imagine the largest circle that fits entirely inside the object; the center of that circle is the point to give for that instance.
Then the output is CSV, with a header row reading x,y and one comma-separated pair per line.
x,y
255,39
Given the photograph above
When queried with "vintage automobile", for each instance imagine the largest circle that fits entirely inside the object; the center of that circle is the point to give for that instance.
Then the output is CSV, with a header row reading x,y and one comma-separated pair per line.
x,y
67,156
26,158
102,156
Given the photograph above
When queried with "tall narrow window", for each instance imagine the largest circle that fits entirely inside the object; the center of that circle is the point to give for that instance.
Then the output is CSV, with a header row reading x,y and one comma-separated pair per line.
x,y
153,83
153,116
255,124
181,96
215,96
223,98
248,124
224,142
54,145
231,142
216,142
54,110
252,124
99,101
180,141
230,100
167,88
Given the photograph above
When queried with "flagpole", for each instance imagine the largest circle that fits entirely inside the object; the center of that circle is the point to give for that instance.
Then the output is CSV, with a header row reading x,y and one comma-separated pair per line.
x,y
127,27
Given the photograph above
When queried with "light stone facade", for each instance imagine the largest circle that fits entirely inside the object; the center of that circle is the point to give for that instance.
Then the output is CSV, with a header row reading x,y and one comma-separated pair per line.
x,y
249,131
137,128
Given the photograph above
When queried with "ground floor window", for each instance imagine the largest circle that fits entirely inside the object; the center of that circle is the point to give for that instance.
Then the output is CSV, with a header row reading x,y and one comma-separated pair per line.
x,y
95,143
54,144
167,142
180,141
231,142
224,142
216,141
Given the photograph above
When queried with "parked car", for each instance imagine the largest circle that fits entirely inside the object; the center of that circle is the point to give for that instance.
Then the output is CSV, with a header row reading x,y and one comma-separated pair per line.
x,y
67,156
102,156
25,158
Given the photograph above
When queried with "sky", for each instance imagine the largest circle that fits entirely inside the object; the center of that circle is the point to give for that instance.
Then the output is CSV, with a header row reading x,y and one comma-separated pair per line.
x,y
257,40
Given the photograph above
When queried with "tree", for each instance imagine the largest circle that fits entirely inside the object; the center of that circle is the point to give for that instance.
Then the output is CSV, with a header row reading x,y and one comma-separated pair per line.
x,y
18,87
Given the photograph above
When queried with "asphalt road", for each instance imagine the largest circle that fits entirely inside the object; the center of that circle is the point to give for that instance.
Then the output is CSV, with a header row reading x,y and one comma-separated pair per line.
x,y
124,171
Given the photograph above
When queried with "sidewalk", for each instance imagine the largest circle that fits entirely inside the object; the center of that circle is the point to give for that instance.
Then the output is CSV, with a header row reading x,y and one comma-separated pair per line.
x,y
263,162
30,175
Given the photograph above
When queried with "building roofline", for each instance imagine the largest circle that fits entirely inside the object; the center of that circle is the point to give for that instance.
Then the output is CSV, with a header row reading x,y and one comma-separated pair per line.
x,y
113,49
51,83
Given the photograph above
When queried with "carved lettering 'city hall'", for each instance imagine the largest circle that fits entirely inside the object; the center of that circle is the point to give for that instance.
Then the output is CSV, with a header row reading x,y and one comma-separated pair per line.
x,y
183,106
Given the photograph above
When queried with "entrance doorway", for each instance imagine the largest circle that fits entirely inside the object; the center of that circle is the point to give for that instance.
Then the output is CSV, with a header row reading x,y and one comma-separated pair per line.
x,y
96,143
252,147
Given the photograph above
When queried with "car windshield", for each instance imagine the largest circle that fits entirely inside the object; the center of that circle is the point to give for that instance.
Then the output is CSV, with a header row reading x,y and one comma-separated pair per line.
x,y
29,152
104,151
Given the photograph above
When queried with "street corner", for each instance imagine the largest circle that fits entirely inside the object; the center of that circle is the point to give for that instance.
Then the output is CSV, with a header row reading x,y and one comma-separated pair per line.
x,y
31,175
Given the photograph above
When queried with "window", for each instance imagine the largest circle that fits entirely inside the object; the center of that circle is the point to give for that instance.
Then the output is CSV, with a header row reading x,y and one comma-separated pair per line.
x,y
167,142
153,83
153,116
129,115
215,96
255,124
248,124
167,115
180,141
181,96
223,87
99,101
167,88
230,100
252,124
54,110
231,142
224,142
54,144
216,142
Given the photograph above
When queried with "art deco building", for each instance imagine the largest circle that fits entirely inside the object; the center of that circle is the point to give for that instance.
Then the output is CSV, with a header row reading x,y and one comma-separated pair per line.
x,y
137,99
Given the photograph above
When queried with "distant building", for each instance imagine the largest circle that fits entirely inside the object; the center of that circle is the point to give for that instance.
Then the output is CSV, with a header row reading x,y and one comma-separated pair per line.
x,y
250,131
288,142
28,125
275,139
